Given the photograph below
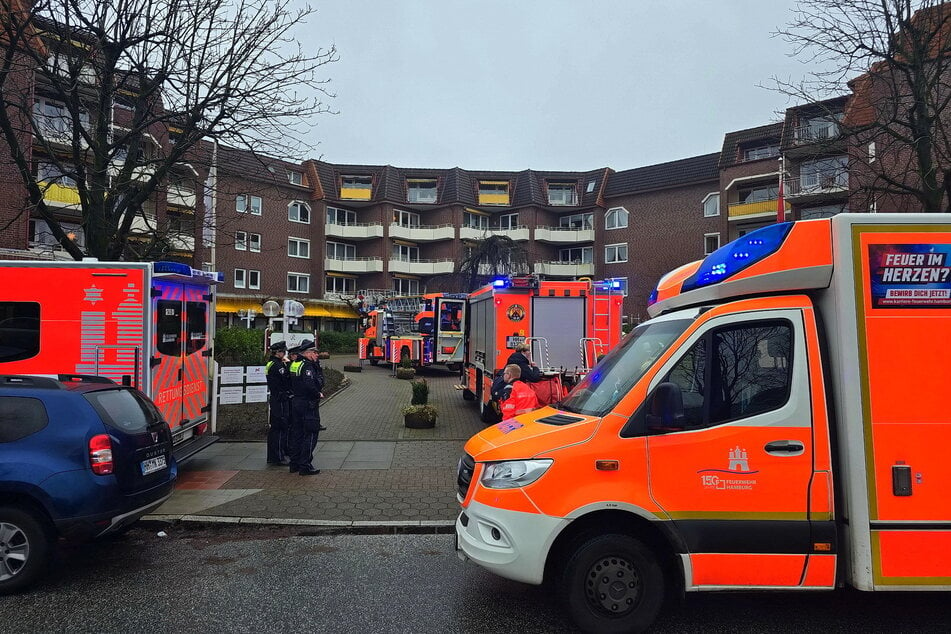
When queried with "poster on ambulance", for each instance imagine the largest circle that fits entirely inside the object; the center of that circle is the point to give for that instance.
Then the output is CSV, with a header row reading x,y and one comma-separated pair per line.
x,y
910,275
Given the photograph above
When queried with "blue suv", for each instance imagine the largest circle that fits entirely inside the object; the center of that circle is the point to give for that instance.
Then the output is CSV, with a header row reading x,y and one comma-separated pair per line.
x,y
80,457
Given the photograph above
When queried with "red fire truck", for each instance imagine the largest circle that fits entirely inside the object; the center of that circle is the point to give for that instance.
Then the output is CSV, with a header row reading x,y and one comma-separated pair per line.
x,y
427,329
568,324
145,324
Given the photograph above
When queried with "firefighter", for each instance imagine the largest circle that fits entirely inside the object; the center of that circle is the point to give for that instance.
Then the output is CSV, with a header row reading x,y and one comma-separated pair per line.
x,y
521,398
279,403
307,381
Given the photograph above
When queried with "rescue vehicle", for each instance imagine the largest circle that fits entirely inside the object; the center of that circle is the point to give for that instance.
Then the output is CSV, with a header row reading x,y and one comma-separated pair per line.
x,y
567,324
145,324
779,424
426,329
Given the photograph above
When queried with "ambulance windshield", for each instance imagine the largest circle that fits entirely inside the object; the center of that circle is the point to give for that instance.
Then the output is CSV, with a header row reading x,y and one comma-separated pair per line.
x,y
617,373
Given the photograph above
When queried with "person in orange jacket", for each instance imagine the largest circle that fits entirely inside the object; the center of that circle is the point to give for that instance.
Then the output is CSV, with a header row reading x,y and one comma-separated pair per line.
x,y
521,398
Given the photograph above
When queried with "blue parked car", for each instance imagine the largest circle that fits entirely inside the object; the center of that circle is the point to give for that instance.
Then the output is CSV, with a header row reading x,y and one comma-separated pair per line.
x,y
80,457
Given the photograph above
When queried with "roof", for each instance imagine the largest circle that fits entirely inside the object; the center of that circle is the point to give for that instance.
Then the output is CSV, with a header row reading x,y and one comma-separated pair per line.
x,y
732,141
250,165
696,169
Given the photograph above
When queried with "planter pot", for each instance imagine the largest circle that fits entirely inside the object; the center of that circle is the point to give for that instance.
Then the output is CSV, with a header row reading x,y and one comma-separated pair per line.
x,y
405,373
353,368
418,421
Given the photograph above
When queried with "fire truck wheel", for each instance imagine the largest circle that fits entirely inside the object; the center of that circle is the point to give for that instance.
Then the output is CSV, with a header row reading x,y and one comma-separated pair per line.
x,y
613,583
25,545
467,395
453,367
374,361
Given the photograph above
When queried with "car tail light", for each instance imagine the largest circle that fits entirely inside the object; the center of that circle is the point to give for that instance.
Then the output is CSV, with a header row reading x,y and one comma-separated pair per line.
x,y
201,428
100,454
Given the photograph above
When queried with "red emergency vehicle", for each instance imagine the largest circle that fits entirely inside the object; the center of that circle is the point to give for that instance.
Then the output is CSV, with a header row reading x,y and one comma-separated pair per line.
x,y
145,324
568,324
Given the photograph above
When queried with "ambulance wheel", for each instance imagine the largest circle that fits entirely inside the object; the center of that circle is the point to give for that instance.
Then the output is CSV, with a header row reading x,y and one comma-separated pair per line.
x,y
612,583
25,547
453,367
467,395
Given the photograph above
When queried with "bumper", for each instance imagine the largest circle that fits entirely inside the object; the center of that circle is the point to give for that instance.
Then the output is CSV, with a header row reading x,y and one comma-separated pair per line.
x,y
510,544
132,508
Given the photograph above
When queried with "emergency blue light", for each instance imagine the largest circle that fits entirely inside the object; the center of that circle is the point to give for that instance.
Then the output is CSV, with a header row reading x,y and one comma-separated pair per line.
x,y
500,282
652,298
172,267
737,255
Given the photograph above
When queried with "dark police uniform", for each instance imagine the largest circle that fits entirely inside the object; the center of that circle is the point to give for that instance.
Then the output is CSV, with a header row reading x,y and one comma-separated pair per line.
x,y
279,404
307,380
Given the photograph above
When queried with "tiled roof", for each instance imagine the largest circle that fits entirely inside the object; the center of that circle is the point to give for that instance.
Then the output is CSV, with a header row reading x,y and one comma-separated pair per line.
x,y
674,173
235,162
733,140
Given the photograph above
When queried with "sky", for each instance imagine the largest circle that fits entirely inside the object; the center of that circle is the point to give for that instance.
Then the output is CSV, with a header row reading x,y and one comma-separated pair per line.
x,y
544,84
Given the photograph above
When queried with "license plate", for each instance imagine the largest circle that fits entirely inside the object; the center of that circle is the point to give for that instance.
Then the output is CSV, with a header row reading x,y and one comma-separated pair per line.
x,y
153,464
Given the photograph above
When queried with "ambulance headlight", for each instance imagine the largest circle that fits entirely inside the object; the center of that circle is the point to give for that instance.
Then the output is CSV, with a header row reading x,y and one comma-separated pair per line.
x,y
513,474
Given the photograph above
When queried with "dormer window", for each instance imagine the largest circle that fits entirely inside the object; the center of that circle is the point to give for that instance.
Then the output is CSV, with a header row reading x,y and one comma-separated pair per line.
x,y
762,151
562,193
356,187
493,192
295,178
420,190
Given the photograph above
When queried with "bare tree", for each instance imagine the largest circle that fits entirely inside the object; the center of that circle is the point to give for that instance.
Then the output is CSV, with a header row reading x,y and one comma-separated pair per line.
x,y
893,55
494,256
128,95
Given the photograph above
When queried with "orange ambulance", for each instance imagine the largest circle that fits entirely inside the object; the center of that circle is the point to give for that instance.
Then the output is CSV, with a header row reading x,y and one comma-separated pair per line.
x,y
779,424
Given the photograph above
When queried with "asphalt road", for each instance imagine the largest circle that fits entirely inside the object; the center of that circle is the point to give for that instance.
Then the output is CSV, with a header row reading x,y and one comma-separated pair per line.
x,y
231,579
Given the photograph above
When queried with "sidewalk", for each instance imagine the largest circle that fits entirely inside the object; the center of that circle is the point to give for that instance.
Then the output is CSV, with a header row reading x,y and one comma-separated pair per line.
x,y
375,473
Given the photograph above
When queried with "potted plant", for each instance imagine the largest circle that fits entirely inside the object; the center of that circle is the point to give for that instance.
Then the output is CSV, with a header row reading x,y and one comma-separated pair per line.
x,y
419,416
420,392
405,369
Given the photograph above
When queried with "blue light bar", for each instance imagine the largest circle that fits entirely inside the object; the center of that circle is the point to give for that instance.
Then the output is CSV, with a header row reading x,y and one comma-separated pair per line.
x,y
737,255
652,298
172,267
500,282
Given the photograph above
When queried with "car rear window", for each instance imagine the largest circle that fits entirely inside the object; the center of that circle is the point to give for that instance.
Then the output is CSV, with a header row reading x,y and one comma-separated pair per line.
x,y
122,409
21,416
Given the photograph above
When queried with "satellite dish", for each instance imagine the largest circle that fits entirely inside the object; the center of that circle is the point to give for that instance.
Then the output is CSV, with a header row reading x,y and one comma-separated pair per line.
x,y
271,308
293,308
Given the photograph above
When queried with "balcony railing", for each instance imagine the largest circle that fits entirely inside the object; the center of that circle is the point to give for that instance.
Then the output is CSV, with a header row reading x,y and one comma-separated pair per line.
x,y
180,197
421,267
742,210
422,233
815,133
354,265
829,182
563,235
520,232
355,230
564,269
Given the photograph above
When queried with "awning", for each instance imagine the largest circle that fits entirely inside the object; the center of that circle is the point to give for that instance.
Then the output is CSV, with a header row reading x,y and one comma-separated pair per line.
x,y
234,304
344,312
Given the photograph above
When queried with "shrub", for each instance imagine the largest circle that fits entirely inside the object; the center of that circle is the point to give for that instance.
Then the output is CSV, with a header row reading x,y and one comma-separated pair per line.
x,y
339,342
426,412
420,391
352,367
405,373
236,345
406,362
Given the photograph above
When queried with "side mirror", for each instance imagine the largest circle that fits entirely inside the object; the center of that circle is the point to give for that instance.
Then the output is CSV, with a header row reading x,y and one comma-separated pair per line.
x,y
666,411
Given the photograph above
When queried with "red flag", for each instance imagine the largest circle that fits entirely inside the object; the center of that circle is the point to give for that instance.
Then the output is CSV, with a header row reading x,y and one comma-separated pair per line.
x,y
780,203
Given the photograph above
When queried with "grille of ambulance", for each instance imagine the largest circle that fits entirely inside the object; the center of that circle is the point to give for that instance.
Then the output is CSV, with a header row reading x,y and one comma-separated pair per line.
x,y
464,477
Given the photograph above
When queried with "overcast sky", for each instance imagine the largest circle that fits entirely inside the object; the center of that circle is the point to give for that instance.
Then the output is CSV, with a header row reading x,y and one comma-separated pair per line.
x,y
545,84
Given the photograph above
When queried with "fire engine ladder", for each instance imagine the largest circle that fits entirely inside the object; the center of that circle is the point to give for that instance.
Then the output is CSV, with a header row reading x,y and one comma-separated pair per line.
x,y
602,325
402,312
541,345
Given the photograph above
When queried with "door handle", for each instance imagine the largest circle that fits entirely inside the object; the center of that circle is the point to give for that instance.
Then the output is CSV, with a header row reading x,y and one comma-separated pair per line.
x,y
784,447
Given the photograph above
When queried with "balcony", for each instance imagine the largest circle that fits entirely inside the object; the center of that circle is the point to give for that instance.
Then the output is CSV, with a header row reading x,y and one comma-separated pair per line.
x,y
181,242
355,192
422,267
805,134
564,269
753,210
563,235
354,231
422,233
180,197
139,173
818,186
60,195
477,233
354,265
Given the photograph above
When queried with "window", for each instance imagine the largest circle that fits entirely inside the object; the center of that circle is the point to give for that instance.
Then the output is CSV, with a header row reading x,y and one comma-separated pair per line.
x,y
356,187
758,193
254,279
824,173
19,330
295,178
54,121
21,417
337,216
254,242
341,251
249,204
615,218
181,223
577,221
493,192
405,218
298,248
421,190
711,242
871,152
576,255
562,194
711,205
508,222
341,285
590,187
615,253
404,286
298,283
761,152
475,221
819,128
822,211
298,212
405,253
241,241
40,234
749,374
240,278
50,173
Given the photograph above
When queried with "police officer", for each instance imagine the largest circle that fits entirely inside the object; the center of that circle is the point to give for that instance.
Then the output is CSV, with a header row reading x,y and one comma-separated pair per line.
x,y
307,380
279,402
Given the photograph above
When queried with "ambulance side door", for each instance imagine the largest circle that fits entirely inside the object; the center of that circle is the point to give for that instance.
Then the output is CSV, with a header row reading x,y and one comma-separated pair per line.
x,y
733,473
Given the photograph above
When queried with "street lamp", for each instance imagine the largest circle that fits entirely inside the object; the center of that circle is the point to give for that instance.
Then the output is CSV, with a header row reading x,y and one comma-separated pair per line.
x,y
292,310
247,315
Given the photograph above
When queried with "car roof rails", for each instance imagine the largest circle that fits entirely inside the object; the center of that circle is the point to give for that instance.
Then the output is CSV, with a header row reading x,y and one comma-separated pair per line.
x,y
32,381
84,378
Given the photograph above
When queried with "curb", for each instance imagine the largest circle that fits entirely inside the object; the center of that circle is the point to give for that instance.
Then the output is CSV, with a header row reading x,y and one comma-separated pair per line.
x,y
336,527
